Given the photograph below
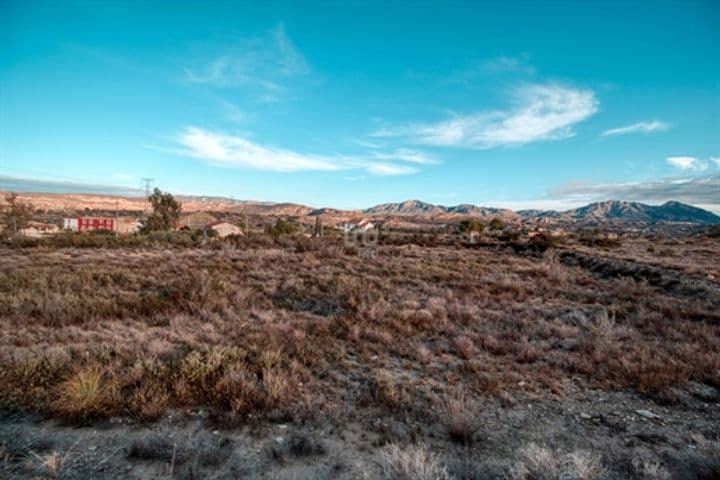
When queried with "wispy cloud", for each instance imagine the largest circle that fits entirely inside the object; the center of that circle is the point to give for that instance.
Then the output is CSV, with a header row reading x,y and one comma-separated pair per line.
x,y
390,169
407,155
515,65
640,127
223,149
687,163
541,112
264,63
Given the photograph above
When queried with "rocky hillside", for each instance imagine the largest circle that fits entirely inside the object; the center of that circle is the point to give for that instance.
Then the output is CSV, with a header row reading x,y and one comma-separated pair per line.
x,y
614,211
418,209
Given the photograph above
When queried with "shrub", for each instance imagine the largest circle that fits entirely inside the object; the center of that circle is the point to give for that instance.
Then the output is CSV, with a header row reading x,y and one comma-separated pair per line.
x,y
470,226
412,463
460,418
540,463
496,224
386,390
281,227
86,394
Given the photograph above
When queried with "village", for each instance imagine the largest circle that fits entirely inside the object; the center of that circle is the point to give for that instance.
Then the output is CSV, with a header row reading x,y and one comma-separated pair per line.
x,y
40,223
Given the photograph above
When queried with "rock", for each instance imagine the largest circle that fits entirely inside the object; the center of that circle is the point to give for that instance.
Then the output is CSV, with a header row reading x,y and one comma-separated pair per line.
x,y
585,416
647,414
698,439
279,440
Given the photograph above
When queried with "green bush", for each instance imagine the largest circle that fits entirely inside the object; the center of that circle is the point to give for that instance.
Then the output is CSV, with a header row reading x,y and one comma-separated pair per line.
x,y
281,227
469,226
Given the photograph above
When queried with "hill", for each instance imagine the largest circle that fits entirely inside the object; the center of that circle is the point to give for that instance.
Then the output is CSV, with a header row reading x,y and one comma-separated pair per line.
x,y
614,211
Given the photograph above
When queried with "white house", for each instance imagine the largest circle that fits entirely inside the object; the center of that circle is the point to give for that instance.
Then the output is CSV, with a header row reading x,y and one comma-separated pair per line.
x,y
38,229
357,224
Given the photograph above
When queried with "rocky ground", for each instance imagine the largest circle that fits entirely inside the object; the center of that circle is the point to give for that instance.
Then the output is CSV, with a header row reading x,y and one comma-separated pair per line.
x,y
628,435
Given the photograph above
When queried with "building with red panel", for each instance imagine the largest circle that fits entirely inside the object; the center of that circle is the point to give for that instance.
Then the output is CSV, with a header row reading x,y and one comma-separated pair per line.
x,y
95,223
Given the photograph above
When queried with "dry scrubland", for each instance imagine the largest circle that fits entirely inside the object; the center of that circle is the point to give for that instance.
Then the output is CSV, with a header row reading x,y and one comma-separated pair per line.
x,y
302,359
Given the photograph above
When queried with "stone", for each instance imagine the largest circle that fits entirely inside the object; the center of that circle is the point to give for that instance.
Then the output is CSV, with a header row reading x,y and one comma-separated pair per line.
x,y
647,414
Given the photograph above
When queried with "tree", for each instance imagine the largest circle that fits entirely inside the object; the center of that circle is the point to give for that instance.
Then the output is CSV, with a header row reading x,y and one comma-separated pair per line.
x,y
165,214
470,226
281,227
496,224
16,214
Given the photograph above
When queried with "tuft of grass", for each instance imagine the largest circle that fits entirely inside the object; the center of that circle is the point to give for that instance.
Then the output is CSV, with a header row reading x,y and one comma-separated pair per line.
x,y
541,463
460,417
387,391
86,394
414,462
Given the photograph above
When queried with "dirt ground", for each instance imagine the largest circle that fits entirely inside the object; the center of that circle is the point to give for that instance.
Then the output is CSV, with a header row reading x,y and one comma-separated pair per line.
x,y
620,428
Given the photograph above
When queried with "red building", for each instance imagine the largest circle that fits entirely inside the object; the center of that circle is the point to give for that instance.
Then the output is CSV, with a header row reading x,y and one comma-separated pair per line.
x,y
95,223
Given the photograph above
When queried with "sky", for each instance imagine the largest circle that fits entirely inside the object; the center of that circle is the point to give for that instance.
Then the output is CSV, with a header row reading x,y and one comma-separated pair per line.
x,y
349,104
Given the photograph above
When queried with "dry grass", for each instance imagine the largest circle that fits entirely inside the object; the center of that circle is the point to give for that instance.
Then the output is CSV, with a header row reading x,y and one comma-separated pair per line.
x,y
86,394
460,416
272,328
540,463
412,463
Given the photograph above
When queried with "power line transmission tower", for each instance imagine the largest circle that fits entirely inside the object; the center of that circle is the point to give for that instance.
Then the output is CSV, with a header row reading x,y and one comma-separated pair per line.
x,y
148,183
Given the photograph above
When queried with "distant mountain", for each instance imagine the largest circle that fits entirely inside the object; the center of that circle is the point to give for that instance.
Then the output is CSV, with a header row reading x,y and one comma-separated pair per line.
x,y
614,211
416,208
408,207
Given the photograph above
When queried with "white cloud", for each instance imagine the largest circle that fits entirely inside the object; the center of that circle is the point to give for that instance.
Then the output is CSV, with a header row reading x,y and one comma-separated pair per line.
x,y
641,127
388,169
687,163
716,161
222,149
229,150
542,112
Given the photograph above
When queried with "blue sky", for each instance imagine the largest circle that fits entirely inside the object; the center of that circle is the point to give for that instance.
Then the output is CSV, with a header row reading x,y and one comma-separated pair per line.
x,y
517,104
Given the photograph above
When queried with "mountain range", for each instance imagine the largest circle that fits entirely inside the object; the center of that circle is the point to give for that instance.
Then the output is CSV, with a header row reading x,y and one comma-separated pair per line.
x,y
599,212
403,213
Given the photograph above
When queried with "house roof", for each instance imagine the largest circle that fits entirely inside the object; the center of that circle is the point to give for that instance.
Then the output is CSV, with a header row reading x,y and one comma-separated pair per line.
x,y
196,221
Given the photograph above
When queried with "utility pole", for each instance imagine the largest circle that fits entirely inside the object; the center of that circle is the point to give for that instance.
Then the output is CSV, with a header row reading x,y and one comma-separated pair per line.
x,y
117,217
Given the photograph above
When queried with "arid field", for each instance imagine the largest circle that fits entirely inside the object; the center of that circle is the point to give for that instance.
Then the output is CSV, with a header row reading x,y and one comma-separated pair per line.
x,y
415,358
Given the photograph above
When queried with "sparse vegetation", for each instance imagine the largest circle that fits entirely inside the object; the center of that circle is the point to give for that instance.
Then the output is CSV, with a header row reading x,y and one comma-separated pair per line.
x,y
412,463
258,330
